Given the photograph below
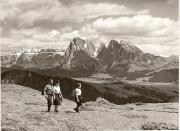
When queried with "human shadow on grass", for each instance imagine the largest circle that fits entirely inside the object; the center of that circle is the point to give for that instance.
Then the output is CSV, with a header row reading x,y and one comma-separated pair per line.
x,y
45,111
70,112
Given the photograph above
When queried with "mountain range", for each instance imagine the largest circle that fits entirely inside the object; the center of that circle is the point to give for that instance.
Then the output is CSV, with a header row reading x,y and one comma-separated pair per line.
x,y
82,58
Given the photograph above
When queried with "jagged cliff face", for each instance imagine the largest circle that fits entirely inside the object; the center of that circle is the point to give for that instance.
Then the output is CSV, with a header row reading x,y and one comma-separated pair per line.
x,y
90,48
123,51
79,54
78,44
117,53
75,45
84,62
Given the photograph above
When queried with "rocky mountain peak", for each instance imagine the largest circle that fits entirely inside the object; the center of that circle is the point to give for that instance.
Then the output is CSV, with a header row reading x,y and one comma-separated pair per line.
x,y
173,59
100,48
89,48
118,53
113,44
123,46
79,44
102,45
129,47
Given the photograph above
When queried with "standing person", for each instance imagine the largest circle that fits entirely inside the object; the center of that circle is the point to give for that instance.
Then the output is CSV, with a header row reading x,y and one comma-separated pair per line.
x,y
57,96
48,92
78,97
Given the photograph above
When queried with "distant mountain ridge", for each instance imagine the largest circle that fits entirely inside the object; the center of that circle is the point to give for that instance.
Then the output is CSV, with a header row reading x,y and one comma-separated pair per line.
x,y
83,57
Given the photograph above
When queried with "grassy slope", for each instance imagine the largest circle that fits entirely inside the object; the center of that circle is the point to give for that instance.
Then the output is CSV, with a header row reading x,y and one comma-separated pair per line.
x,y
24,109
166,75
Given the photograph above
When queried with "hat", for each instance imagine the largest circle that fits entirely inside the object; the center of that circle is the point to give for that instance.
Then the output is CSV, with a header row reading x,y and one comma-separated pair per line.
x,y
79,84
51,80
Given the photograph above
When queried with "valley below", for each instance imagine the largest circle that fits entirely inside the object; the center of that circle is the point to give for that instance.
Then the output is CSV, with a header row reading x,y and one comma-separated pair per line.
x,y
116,91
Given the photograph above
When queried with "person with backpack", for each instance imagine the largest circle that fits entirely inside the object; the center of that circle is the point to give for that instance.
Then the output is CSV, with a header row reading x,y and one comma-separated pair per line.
x,y
78,98
48,92
57,96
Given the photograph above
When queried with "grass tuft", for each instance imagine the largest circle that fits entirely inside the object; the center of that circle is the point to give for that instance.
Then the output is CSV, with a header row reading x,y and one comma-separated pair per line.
x,y
159,126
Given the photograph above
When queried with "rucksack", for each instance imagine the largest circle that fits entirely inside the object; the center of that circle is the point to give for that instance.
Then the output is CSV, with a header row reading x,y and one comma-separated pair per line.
x,y
42,92
73,94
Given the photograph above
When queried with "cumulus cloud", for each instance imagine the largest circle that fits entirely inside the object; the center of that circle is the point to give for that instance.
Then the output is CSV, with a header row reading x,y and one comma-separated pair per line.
x,y
162,50
30,11
38,38
136,25
171,1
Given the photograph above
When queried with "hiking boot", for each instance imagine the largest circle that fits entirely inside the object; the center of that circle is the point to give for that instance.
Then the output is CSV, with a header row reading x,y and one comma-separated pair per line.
x,y
56,111
76,109
49,108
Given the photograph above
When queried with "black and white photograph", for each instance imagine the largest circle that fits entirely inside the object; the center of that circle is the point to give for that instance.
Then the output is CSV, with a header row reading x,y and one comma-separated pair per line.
x,y
89,65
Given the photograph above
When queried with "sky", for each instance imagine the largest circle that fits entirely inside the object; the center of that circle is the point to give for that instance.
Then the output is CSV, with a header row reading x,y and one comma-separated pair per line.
x,y
151,25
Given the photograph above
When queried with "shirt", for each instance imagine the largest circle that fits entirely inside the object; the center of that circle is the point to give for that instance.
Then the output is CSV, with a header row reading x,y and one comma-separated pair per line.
x,y
48,89
78,91
56,89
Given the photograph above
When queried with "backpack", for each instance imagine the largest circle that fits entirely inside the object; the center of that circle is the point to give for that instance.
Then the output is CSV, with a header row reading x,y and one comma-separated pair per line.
x,y
73,94
42,92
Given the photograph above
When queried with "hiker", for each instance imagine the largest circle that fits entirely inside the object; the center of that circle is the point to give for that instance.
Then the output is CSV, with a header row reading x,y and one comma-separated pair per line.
x,y
78,98
57,96
48,92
